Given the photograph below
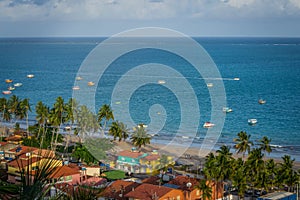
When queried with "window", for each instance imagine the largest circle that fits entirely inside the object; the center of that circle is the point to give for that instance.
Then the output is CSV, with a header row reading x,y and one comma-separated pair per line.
x,y
178,198
198,192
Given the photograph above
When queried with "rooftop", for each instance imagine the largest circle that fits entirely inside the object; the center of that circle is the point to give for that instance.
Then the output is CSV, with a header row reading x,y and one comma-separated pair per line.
x,y
151,157
131,154
65,170
147,191
181,181
117,187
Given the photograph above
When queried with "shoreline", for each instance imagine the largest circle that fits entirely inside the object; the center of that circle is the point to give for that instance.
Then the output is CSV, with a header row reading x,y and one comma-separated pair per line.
x,y
188,156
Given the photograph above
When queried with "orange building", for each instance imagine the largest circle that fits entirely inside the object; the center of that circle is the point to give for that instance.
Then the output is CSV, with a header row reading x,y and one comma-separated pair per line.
x,y
147,191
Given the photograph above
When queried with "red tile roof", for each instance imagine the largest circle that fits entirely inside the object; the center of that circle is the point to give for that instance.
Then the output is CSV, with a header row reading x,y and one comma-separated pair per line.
x,y
65,170
16,163
130,154
147,191
13,138
151,157
181,181
114,190
154,180
3,143
23,149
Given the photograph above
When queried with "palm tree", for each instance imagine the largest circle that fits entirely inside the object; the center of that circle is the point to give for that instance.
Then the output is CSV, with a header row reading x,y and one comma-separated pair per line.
x,y
163,162
42,115
86,121
140,137
287,175
239,178
105,113
25,107
243,143
272,171
205,189
14,106
71,109
4,109
265,145
224,161
118,130
255,166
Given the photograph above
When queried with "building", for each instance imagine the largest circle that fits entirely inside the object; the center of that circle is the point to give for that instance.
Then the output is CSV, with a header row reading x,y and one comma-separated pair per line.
x,y
138,162
279,196
117,190
147,191
187,184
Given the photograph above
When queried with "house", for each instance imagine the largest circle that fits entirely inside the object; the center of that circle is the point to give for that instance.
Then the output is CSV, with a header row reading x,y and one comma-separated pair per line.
x,y
129,161
27,162
70,174
138,162
147,191
187,184
117,190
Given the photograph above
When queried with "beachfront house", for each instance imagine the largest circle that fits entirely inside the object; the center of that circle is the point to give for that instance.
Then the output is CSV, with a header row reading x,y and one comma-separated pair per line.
x,y
138,162
129,161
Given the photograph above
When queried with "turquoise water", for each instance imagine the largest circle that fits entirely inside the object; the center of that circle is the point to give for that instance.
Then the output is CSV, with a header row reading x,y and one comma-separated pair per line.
x,y
268,68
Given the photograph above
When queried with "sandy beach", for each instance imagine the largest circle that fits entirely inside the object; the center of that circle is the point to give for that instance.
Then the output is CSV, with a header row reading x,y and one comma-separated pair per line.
x,y
188,156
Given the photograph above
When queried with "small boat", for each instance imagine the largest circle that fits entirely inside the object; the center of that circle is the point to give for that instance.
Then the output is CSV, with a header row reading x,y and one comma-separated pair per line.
x,y
76,88
208,125
227,110
236,79
6,92
210,84
91,83
18,84
10,88
79,78
8,80
30,76
252,121
261,101
161,81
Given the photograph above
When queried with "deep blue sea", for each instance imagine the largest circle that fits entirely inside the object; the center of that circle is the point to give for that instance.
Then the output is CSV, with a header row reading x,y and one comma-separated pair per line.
x,y
267,68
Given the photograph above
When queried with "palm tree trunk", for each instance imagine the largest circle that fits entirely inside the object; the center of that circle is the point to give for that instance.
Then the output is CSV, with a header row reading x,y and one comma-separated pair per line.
x,y
27,123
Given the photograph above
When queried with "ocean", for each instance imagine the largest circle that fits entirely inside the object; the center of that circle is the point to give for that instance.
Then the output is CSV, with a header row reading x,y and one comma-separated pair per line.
x,y
266,68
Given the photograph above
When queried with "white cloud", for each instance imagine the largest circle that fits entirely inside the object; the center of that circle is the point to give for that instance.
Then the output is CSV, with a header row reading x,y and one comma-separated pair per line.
x,y
144,9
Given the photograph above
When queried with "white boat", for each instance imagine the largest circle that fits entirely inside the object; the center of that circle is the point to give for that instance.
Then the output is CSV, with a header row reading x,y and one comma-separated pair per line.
x,y
208,125
236,79
76,88
261,101
6,92
10,88
252,121
30,76
91,83
210,84
227,110
161,81
18,84
78,78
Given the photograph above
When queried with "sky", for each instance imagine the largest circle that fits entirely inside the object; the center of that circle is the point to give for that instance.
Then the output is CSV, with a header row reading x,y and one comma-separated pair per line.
x,y
60,18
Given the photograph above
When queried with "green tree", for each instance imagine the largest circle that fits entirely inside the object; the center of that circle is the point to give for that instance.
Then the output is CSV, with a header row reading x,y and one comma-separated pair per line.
x,y
42,115
104,114
82,154
25,108
239,178
119,130
140,137
265,145
205,189
243,143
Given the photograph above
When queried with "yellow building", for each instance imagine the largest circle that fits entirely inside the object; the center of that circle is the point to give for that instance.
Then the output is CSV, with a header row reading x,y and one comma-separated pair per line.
x,y
28,162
